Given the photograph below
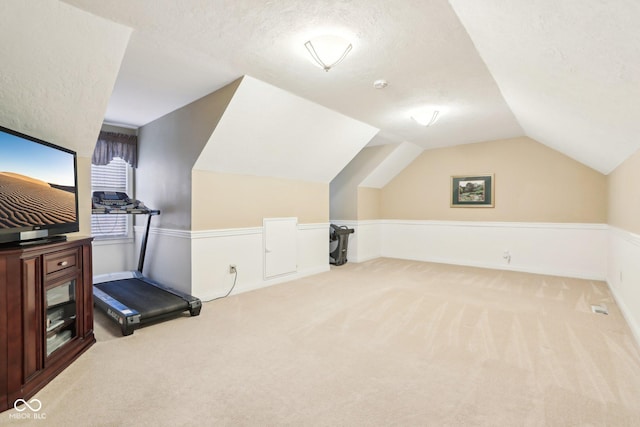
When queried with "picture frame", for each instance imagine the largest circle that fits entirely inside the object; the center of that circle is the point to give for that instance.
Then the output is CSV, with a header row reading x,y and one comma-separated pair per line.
x,y
472,191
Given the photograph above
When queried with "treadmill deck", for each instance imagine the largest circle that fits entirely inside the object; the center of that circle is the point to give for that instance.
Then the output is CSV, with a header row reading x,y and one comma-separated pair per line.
x,y
131,302
146,299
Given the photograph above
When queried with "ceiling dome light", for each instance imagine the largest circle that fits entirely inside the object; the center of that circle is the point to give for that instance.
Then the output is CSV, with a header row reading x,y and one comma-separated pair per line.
x,y
328,51
380,84
425,117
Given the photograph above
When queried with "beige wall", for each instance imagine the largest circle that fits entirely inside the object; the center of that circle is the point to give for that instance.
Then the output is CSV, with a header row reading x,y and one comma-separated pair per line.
x,y
624,197
533,183
84,195
369,203
222,200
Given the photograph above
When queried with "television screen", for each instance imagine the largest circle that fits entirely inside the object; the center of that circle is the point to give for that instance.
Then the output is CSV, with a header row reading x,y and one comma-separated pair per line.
x,y
38,188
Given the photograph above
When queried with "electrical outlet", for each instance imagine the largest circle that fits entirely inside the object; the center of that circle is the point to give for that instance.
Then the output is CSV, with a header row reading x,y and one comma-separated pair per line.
x,y
232,268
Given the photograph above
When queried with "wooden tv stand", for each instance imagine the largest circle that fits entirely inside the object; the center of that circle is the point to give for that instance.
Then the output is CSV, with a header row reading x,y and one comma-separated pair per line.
x,y
46,314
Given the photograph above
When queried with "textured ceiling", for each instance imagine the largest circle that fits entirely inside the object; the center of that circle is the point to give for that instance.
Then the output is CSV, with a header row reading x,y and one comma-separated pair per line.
x,y
569,70
564,73
48,71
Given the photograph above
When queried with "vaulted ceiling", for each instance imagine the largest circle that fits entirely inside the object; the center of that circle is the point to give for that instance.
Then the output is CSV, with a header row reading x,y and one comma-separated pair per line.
x,y
565,73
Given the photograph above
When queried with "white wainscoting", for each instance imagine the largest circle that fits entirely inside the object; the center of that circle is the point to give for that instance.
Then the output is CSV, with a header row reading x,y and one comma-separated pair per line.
x,y
168,257
623,275
364,244
573,250
201,259
198,262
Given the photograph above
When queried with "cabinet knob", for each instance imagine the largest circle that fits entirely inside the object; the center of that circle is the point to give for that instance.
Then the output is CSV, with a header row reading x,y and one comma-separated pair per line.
x,y
63,263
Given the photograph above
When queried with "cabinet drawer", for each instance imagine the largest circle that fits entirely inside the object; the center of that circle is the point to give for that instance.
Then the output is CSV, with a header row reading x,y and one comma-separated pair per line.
x,y
62,260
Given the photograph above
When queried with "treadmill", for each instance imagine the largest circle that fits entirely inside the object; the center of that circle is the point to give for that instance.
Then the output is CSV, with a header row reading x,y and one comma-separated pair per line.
x,y
129,298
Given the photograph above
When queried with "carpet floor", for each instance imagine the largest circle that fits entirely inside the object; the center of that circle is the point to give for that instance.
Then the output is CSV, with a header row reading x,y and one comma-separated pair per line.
x,y
381,343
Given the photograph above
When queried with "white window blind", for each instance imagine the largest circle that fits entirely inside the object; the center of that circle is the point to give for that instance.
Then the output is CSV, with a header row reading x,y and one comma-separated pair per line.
x,y
111,177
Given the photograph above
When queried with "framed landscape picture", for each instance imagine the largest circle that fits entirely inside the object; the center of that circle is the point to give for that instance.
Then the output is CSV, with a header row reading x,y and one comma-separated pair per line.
x,y
472,191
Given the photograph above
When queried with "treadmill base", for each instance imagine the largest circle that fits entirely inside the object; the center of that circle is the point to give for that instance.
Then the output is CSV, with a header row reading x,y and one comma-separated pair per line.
x,y
132,302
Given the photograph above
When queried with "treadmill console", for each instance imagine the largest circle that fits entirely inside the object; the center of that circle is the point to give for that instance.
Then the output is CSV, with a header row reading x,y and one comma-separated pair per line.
x,y
109,201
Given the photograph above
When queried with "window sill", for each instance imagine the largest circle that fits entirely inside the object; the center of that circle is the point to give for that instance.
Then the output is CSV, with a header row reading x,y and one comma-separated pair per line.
x,y
103,241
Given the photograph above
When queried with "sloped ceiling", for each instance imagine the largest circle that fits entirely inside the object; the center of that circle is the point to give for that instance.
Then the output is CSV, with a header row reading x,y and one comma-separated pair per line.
x,y
569,71
398,159
58,66
564,73
266,131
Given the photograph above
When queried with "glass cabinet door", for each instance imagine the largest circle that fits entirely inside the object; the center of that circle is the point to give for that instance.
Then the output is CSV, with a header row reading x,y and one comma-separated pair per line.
x,y
61,315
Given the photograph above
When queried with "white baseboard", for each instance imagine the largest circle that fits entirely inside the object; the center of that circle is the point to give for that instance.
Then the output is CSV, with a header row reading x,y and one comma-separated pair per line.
x,y
274,281
623,275
522,269
627,313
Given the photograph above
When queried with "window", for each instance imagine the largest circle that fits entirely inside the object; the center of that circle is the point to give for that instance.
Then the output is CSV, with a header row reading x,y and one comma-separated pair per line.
x,y
115,176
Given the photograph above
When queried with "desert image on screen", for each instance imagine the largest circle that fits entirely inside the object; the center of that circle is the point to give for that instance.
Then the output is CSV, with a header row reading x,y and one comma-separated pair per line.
x,y
26,201
37,183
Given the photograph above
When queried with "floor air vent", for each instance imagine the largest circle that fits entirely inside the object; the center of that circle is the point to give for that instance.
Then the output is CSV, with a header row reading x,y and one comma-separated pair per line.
x,y
600,309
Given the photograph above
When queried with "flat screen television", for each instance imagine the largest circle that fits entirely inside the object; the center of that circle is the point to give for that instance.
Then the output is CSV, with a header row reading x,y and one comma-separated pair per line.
x,y
38,189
